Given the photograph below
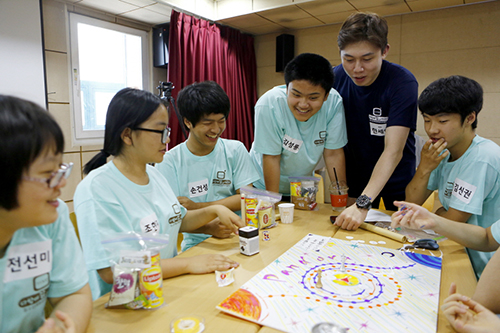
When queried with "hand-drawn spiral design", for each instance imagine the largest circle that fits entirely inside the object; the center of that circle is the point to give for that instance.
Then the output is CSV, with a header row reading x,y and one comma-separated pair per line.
x,y
362,286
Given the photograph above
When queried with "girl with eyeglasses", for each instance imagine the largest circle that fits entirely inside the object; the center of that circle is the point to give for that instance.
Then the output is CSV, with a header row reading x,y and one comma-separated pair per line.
x,y
40,257
128,194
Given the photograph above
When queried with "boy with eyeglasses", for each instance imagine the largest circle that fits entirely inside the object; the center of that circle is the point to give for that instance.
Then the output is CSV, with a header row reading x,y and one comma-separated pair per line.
x,y
206,169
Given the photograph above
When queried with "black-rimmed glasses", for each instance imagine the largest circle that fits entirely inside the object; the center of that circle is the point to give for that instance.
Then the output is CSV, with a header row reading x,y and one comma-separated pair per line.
x,y
56,177
164,134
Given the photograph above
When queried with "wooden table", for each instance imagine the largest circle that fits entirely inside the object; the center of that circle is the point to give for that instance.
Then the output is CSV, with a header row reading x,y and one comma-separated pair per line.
x,y
199,294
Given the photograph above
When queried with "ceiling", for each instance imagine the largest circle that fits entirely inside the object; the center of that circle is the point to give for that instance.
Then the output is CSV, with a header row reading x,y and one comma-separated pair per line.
x,y
258,17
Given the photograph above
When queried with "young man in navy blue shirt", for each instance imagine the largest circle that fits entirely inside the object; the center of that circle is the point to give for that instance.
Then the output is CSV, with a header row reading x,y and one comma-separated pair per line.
x,y
380,101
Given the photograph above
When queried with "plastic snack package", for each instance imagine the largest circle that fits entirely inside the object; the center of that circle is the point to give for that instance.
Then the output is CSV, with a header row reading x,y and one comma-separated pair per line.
x,y
137,275
125,293
258,206
303,192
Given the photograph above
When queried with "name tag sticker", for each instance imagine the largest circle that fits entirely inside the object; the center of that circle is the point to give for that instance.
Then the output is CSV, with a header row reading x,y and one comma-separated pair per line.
x,y
377,129
463,191
198,188
28,260
291,144
150,224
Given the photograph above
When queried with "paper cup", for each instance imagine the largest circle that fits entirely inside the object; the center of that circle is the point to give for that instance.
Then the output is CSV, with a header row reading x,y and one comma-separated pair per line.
x,y
286,212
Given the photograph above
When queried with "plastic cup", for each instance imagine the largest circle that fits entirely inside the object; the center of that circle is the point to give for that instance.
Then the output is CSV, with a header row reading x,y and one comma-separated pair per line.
x,y
338,195
286,212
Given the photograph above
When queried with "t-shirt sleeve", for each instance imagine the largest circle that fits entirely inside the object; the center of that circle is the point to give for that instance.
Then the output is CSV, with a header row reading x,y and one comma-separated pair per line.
x,y
90,215
244,171
98,218
68,273
336,127
472,187
495,231
268,137
403,103
433,183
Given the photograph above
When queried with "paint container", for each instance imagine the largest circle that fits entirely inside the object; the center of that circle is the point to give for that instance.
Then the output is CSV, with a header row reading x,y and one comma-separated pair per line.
x,y
249,240
188,324
328,328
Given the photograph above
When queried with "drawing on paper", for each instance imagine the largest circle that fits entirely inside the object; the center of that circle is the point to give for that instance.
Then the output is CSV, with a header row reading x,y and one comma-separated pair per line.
x,y
372,289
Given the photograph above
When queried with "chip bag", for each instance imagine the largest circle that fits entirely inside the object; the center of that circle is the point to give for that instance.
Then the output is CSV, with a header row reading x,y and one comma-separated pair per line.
x,y
257,207
137,275
303,192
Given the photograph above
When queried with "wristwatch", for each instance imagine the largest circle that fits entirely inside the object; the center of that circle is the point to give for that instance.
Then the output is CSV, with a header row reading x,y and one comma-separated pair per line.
x,y
364,202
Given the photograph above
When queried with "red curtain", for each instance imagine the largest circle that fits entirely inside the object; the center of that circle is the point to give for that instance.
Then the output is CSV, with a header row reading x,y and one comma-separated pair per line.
x,y
199,51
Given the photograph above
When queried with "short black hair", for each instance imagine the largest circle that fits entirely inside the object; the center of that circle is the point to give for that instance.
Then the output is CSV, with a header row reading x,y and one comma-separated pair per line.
x,y
202,99
454,94
363,27
128,109
310,67
26,131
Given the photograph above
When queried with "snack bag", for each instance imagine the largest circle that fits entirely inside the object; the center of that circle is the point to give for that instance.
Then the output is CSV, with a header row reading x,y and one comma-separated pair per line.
x,y
257,207
303,192
125,292
137,275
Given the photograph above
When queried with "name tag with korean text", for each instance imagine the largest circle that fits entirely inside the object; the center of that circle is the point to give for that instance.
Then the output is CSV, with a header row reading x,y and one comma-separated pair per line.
x,y
291,144
377,129
198,188
463,191
150,224
28,260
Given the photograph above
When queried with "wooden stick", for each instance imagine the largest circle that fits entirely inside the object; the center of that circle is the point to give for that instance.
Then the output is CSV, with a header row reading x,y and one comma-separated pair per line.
x,y
243,209
383,232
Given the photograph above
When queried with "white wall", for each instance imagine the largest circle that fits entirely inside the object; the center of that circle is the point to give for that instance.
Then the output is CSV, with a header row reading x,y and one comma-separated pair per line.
x,y
21,50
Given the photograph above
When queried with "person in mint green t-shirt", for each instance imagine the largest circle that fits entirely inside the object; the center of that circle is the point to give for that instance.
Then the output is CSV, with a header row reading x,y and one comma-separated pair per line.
x,y
462,166
40,258
127,194
299,123
205,169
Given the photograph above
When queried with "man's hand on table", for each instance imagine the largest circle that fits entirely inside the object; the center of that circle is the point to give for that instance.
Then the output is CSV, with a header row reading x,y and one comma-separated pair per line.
x,y
351,218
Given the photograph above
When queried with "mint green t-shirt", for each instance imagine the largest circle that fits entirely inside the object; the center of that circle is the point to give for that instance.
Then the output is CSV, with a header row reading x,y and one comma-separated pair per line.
x,y
40,262
471,184
212,177
106,202
300,144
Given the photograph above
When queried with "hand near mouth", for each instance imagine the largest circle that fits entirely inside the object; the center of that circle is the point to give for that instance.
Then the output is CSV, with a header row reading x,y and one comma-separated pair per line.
x,y
431,156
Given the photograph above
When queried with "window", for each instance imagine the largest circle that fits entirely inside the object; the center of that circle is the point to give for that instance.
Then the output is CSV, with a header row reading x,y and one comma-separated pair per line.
x,y
105,57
